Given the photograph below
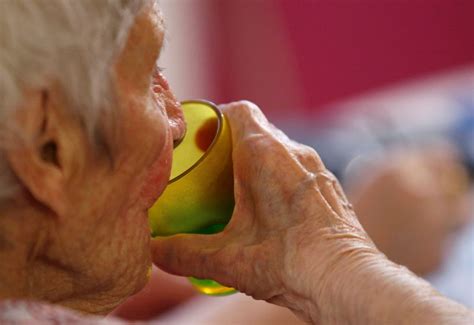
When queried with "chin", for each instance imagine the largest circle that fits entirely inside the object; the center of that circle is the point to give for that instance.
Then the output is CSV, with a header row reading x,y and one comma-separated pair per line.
x,y
128,261
142,279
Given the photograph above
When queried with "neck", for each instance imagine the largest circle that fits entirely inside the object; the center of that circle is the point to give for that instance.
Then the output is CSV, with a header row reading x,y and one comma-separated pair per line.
x,y
13,275
23,237
29,267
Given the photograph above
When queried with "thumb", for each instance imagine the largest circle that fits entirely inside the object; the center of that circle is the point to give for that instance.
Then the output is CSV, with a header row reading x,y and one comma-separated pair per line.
x,y
188,255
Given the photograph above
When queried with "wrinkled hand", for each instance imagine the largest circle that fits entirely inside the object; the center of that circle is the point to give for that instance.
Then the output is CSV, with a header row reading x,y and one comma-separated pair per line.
x,y
291,221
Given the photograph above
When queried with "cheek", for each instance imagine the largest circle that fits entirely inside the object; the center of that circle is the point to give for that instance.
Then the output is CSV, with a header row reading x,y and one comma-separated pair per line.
x,y
159,171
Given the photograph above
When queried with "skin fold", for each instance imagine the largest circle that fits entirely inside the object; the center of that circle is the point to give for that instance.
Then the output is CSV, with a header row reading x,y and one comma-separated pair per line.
x,y
86,245
297,243
294,239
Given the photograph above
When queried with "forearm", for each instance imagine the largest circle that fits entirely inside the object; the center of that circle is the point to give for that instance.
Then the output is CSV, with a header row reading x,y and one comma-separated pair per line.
x,y
381,292
367,288
342,278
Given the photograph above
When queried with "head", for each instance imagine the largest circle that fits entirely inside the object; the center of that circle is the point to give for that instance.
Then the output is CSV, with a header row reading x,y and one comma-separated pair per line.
x,y
88,124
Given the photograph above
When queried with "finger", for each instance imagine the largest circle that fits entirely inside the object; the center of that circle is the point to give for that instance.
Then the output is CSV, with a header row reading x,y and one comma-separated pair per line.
x,y
257,144
245,119
267,169
189,255
308,157
249,124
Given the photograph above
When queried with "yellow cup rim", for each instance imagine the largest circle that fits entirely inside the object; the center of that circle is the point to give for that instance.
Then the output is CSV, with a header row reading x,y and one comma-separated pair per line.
x,y
220,121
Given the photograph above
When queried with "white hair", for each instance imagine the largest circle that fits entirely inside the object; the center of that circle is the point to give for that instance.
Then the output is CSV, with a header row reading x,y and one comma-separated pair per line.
x,y
73,42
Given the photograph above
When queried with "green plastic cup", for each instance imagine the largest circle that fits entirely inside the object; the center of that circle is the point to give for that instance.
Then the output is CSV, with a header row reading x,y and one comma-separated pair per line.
x,y
199,198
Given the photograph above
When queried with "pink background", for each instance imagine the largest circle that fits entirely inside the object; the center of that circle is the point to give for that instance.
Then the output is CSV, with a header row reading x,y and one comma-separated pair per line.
x,y
299,56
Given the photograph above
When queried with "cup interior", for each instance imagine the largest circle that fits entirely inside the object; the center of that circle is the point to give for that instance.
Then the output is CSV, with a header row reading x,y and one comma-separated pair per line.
x,y
204,124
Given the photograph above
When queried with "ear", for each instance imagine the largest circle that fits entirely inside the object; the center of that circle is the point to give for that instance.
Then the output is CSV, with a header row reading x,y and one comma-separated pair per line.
x,y
40,159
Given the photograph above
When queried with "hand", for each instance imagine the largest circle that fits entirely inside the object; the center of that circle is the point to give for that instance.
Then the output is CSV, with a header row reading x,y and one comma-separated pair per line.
x,y
411,202
291,225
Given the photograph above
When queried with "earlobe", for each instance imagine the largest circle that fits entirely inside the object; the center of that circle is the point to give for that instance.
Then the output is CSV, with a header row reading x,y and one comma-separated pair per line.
x,y
34,159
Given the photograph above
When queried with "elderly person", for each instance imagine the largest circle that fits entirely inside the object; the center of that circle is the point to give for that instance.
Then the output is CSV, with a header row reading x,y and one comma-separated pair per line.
x,y
88,124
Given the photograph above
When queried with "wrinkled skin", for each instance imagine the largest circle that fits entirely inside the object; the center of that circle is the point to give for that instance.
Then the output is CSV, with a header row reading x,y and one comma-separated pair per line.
x,y
293,240
77,233
410,202
290,217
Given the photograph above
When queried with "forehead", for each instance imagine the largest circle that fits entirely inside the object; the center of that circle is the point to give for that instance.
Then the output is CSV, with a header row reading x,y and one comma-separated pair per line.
x,y
148,28
158,17
151,20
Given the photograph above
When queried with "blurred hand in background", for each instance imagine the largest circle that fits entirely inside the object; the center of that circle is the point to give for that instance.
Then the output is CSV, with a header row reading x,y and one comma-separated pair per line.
x,y
412,203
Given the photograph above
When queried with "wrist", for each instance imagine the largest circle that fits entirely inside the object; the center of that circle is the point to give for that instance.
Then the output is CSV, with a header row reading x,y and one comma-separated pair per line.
x,y
347,286
367,288
345,279
319,275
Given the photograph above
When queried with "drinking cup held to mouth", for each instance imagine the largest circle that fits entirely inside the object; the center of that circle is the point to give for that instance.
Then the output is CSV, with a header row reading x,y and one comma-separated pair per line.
x,y
199,198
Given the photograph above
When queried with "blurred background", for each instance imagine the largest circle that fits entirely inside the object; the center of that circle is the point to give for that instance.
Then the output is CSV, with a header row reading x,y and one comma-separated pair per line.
x,y
297,58
382,89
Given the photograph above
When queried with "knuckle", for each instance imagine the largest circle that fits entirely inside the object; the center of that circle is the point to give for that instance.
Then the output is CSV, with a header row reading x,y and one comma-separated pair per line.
x,y
247,106
243,109
309,158
236,106
310,153
326,177
330,175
